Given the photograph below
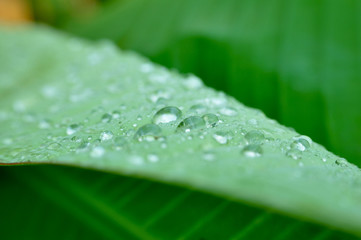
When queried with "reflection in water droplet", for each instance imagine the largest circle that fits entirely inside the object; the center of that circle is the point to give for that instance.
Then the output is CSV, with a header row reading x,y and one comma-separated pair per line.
x,y
210,119
148,132
294,153
106,117
190,123
252,150
53,146
106,135
97,152
167,115
152,158
254,136
73,128
228,111
222,137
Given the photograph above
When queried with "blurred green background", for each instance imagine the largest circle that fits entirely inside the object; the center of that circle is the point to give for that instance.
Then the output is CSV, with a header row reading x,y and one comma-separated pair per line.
x,y
299,61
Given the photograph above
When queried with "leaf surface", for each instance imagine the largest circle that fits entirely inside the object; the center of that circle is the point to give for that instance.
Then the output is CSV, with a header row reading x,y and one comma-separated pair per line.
x,y
66,101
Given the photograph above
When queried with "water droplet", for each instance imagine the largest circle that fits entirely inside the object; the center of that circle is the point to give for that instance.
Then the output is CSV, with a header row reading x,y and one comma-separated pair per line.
x,y
44,124
192,82
106,118
75,139
252,150
83,146
198,109
304,139
106,135
324,159
294,153
167,115
152,158
73,128
254,136
148,132
300,144
211,120
116,114
341,162
193,122
222,137
228,111
97,152
53,146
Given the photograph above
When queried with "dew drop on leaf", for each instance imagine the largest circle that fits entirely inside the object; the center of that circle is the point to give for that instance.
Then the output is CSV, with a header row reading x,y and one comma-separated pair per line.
x,y
97,152
148,132
254,137
294,153
190,123
73,128
106,118
210,119
222,137
252,150
167,115
54,146
106,135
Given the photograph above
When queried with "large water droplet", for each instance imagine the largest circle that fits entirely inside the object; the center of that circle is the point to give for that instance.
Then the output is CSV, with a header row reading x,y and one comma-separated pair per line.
x,y
254,137
106,135
252,150
97,152
73,128
294,153
167,115
148,132
190,123
210,119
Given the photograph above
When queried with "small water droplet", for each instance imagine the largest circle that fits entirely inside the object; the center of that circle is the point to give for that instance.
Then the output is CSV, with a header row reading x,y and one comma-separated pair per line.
x,y
294,153
190,123
106,118
324,159
167,115
54,146
252,150
106,135
116,114
97,152
75,139
148,132
152,158
228,111
254,137
301,144
192,82
222,137
198,109
44,124
73,128
341,162
211,120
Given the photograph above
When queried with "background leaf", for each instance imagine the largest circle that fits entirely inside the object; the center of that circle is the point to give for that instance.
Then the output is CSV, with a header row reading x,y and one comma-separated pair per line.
x,y
86,105
298,61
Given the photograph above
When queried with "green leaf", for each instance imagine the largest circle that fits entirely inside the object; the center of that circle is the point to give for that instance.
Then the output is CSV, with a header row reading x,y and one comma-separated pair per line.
x,y
66,101
298,61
